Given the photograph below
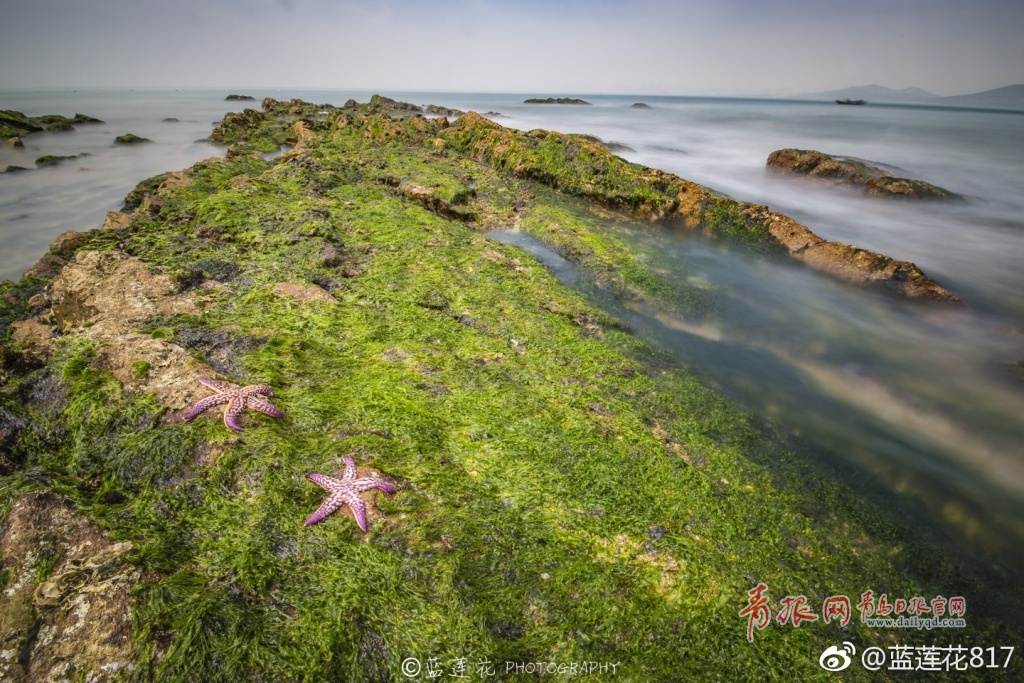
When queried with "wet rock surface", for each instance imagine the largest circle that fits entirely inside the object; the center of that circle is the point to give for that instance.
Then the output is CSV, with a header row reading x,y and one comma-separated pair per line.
x,y
875,179
66,611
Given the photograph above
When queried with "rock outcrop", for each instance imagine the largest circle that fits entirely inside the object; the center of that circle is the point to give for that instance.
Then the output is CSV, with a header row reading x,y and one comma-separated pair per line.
x,y
14,123
874,179
130,139
582,167
554,100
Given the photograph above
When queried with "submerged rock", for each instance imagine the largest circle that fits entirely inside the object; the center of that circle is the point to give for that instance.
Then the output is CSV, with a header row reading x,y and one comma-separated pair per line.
x,y
640,105
875,179
239,98
58,124
130,139
554,100
13,123
14,143
53,160
82,118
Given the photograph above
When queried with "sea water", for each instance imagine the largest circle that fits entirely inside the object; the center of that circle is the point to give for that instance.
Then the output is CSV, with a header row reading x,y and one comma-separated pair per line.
x,y
924,401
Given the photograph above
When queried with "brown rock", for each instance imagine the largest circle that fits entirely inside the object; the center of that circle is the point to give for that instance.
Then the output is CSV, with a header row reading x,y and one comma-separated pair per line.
x,y
14,143
77,624
116,220
67,242
108,294
113,292
47,266
175,180
144,364
874,179
301,292
34,336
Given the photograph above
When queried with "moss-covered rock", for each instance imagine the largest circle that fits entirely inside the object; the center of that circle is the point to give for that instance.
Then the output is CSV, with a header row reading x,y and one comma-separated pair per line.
x,y
54,159
14,123
130,139
874,179
565,492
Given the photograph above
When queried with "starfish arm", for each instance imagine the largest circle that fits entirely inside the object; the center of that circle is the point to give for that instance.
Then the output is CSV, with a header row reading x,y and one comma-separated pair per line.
x,y
367,483
258,389
358,508
263,406
333,502
325,482
205,404
233,411
350,468
214,384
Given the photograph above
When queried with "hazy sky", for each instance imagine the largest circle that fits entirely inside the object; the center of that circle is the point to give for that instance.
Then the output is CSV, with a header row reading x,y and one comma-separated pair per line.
x,y
650,46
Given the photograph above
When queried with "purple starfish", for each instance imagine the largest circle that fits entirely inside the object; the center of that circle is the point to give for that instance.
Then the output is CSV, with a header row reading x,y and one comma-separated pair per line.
x,y
345,491
237,399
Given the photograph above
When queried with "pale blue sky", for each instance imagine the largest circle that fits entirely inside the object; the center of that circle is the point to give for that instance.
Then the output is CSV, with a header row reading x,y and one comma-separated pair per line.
x,y
649,46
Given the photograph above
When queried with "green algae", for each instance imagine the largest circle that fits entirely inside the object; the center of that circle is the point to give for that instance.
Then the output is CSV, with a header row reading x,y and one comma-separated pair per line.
x,y
566,493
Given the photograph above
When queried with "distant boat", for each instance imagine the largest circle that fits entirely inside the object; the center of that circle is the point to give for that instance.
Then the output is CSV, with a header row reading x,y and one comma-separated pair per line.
x,y
849,101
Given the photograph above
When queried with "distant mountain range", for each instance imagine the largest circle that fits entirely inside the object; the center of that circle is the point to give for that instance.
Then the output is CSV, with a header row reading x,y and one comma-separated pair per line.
x,y
1009,97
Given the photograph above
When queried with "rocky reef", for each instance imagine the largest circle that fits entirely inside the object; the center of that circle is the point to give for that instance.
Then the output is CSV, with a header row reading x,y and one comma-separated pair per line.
x,y
563,491
554,100
874,179
15,124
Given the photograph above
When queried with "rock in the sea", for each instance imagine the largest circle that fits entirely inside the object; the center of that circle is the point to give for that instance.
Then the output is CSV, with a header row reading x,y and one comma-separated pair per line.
x,y
610,145
386,105
169,119
130,139
13,169
15,123
239,98
14,143
441,111
640,105
554,100
82,118
53,160
62,126
874,179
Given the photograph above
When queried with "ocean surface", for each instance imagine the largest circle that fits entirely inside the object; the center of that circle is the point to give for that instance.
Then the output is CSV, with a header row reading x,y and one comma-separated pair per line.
x,y
921,402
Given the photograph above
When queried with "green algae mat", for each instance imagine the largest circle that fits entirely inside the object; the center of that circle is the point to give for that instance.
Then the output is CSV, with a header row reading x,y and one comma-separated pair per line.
x,y
544,494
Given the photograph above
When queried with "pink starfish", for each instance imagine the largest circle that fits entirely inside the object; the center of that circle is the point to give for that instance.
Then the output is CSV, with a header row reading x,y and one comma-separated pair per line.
x,y
345,491
237,399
